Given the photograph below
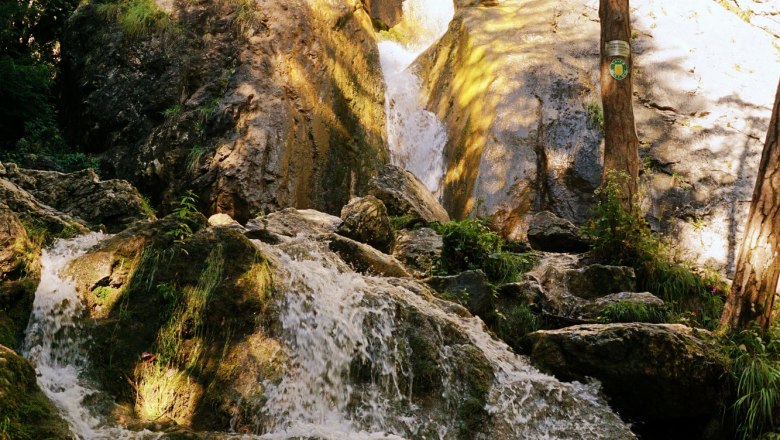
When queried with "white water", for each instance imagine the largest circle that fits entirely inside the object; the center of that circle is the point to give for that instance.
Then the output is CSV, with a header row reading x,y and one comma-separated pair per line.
x,y
55,344
416,137
333,317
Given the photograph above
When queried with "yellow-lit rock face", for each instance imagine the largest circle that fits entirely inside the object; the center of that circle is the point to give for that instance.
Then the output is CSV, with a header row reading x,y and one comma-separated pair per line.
x,y
314,130
511,85
517,84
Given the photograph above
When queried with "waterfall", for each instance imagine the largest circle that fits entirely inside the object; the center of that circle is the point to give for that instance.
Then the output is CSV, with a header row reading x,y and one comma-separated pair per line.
x,y
54,343
334,319
415,136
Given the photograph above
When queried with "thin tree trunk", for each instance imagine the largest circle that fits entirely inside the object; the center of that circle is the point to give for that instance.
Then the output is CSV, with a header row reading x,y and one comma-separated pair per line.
x,y
758,264
620,141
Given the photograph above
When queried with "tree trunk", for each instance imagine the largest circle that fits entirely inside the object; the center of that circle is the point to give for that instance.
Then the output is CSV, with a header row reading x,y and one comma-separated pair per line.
x,y
758,264
620,141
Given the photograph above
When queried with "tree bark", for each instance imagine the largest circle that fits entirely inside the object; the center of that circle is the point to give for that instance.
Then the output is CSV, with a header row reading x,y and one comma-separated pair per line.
x,y
621,144
758,264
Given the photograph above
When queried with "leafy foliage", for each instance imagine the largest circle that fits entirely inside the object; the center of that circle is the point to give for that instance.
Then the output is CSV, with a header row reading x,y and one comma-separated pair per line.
x,y
626,311
470,244
137,17
186,212
621,236
515,323
756,370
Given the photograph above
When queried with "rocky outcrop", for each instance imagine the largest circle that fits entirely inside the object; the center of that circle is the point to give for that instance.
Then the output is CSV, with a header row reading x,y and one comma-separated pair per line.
x,y
365,220
405,195
418,249
29,209
257,106
281,225
113,204
385,13
27,413
522,110
669,376
550,233
470,288
567,288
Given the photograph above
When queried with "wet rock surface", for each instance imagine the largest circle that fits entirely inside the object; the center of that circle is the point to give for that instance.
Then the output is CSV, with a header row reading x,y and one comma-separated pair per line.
x,y
418,249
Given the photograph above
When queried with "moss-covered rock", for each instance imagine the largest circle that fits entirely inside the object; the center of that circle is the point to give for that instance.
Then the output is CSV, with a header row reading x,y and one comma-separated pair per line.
x,y
180,319
19,274
26,412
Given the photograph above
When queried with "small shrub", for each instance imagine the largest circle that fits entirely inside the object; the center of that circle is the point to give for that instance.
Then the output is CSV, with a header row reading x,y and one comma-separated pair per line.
x,y
626,311
173,111
186,211
512,325
471,245
756,371
595,115
621,236
137,17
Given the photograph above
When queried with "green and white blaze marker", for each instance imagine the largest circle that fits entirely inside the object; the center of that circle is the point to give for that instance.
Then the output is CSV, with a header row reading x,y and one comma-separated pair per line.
x,y
618,68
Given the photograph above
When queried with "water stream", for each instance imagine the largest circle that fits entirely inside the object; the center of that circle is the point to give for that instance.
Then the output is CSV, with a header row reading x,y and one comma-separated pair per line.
x,y
334,318
415,136
55,343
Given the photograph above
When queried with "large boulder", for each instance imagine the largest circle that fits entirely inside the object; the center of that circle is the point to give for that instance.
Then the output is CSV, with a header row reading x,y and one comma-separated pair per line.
x,y
550,233
365,220
113,204
418,249
598,280
27,413
645,301
670,378
258,106
523,128
405,195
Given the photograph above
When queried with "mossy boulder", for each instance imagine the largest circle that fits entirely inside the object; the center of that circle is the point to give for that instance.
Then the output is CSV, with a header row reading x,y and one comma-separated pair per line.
x,y
19,274
183,328
26,412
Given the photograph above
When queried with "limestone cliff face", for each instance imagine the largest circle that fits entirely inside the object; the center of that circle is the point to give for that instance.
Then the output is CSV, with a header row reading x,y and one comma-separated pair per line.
x,y
517,85
256,105
512,85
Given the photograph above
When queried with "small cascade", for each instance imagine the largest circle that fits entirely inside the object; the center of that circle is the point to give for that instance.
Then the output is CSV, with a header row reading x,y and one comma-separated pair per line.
x,y
55,343
416,137
350,374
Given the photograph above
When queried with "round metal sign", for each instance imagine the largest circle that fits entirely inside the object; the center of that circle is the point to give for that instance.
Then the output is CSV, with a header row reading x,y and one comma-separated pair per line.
x,y
618,48
618,69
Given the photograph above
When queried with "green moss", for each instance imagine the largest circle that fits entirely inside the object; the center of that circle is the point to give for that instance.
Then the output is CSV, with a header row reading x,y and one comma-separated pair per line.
x,y
475,378
25,412
405,222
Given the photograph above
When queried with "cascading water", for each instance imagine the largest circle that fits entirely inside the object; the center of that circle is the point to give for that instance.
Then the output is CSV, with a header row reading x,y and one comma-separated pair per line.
x,y
416,137
55,344
335,319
